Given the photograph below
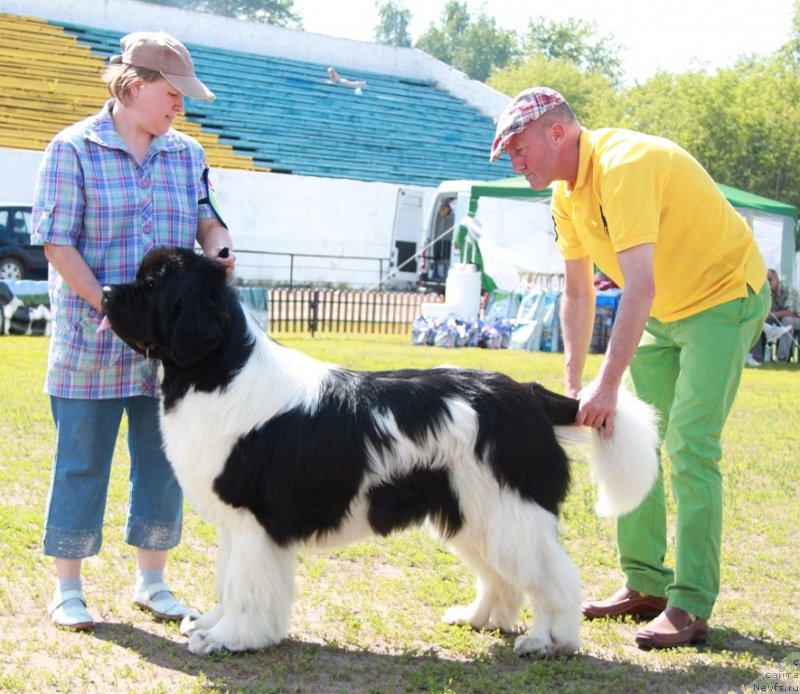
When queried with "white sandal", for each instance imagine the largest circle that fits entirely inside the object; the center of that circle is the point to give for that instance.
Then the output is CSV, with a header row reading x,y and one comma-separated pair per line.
x,y
167,607
72,616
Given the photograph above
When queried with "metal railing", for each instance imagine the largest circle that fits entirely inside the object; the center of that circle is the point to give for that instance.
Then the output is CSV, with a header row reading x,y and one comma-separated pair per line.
x,y
350,265
337,311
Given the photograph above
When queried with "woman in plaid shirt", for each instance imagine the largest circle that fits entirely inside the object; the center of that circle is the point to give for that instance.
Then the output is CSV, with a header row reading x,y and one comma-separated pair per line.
x,y
109,189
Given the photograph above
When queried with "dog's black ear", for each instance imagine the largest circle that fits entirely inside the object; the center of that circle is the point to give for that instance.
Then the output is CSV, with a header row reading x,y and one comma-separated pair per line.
x,y
200,326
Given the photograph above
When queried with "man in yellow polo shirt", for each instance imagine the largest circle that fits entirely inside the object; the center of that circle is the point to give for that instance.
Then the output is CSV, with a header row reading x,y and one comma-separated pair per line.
x,y
694,300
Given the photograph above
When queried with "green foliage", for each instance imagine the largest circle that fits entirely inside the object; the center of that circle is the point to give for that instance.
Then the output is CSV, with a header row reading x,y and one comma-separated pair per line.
x,y
393,21
482,48
474,47
455,18
742,123
591,95
479,48
791,49
437,43
576,41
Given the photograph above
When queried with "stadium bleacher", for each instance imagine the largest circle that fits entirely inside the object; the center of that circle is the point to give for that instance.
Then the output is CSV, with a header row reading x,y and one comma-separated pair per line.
x,y
271,114
49,80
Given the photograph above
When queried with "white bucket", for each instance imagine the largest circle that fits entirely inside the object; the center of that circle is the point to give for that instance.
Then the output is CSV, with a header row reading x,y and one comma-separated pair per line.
x,y
462,291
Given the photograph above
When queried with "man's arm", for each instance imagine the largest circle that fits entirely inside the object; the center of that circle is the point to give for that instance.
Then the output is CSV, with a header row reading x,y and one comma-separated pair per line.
x,y
577,320
599,398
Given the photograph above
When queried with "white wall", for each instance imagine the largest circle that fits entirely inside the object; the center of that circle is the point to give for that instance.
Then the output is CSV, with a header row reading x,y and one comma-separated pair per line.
x,y
305,214
281,214
18,169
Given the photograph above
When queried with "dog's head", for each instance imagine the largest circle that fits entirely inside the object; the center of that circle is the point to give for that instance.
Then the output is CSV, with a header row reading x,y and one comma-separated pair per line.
x,y
175,310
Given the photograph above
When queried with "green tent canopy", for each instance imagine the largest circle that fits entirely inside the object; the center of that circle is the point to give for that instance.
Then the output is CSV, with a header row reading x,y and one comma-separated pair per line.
x,y
743,199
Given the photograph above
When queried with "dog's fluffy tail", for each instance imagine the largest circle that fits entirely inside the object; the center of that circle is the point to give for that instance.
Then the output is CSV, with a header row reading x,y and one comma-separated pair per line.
x,y
625,466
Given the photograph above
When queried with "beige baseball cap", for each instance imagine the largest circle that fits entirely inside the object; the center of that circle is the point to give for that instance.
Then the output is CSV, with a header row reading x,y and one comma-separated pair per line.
x,y
157,50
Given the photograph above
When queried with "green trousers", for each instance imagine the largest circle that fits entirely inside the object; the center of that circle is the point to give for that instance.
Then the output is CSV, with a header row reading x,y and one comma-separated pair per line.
x,y
689,369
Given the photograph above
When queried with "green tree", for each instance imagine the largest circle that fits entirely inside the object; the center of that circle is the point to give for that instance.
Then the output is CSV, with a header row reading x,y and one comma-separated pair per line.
x,y
483,48
275,12
474,47
455,18
436,43
791,49
591,95
393,21
742,123
575,41
440,42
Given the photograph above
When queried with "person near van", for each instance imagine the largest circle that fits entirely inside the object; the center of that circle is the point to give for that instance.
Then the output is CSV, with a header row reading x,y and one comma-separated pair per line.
x,y
109,189
443,237
693,302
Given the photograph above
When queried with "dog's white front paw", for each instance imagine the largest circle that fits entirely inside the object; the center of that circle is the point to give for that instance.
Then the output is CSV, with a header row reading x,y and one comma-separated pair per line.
x,y
204,643
229,636
193,622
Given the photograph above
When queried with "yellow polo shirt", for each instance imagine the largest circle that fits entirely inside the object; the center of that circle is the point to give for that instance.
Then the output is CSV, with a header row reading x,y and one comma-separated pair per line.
x,y
633,189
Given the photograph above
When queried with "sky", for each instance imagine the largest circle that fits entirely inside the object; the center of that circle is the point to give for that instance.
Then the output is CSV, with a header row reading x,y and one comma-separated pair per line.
x,y
673,35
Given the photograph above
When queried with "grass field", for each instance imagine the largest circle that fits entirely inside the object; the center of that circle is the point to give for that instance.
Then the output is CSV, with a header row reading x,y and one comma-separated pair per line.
x,y
367,618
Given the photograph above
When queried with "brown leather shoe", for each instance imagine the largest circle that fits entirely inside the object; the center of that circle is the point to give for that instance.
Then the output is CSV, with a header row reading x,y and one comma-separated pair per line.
x,y
624,603
673,627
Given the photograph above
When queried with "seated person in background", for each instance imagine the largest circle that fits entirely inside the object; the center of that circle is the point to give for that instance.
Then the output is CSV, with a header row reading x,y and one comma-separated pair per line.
x,y
780,314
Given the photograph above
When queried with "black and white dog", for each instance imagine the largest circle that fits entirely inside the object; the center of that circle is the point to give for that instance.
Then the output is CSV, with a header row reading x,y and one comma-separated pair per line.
x,y
280,450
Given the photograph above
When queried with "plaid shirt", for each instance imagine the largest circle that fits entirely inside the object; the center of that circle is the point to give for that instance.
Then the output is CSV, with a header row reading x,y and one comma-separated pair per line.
x,y
92,194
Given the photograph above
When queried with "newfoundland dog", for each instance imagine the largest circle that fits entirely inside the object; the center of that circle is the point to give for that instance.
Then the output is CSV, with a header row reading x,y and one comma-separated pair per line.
x,y
282,451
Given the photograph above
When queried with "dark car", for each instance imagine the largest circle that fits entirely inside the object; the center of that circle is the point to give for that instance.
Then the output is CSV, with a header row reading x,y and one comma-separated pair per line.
x,y
19,258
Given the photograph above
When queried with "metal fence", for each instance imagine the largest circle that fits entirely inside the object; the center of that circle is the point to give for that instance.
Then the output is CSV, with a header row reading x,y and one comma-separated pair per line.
x,y
294,270
336,311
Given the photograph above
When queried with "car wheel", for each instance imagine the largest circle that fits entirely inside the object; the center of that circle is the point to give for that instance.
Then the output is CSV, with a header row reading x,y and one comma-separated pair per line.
x,y
11,269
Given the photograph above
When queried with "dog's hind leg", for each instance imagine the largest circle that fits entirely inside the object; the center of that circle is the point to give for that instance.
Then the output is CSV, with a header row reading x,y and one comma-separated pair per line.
x,y
497,603
257,594
541,568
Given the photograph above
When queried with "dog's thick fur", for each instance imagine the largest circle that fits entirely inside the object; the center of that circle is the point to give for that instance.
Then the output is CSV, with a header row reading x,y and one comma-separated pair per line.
x,y
280,450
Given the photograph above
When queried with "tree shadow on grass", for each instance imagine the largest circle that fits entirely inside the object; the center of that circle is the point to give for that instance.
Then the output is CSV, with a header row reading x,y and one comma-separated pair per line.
x,y
304,666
